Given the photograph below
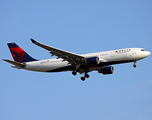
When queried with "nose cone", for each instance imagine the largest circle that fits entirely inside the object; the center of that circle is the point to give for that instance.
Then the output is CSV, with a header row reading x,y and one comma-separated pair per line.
x,y
145,54
148,53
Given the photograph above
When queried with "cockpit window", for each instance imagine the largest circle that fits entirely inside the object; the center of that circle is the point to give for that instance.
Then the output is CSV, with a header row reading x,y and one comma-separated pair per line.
x,y
143,50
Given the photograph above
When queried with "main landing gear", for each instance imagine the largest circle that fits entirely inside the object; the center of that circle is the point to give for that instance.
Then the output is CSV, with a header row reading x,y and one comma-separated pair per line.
x,y
83,77
74,73
134,65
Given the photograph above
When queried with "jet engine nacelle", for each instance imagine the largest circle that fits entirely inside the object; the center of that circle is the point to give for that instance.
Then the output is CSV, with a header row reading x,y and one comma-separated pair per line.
x,y
92,61
106,70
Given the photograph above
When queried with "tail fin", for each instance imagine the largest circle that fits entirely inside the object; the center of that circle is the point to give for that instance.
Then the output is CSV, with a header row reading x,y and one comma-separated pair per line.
x,y
19,55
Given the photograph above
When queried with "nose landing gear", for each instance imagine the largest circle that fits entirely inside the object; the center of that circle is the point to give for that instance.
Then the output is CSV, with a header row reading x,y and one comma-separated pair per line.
x,y
134,65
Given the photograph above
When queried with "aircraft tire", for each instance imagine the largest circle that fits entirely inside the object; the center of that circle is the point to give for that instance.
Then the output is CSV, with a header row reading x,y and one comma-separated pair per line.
x,y
134,66
83,78
74,73
86,76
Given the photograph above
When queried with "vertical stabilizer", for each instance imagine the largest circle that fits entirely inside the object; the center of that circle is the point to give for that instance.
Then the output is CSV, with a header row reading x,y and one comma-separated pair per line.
x,y
18,54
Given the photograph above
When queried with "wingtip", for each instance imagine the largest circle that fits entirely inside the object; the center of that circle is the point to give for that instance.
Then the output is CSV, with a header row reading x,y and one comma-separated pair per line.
x,y
33,41
4,59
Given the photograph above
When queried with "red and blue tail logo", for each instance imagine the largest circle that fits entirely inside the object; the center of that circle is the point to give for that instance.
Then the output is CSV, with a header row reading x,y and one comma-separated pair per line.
x,y
19,55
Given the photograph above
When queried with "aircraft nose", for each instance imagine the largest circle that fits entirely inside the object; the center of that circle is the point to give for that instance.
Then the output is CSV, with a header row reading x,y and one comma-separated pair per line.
x,y
145,54
148,53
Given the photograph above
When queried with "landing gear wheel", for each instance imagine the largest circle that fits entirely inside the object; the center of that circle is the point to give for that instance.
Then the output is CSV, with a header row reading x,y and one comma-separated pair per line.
x,y
74,73
83,78
86,76
134,66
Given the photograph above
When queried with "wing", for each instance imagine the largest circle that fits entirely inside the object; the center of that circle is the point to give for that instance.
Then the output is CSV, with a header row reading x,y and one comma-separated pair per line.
x,y
74,59
15,63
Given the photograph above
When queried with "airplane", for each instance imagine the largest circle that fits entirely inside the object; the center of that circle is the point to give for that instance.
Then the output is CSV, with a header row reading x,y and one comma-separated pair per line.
x,y
67,61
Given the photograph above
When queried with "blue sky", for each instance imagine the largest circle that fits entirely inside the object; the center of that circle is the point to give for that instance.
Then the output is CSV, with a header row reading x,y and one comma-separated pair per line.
x,y
81,26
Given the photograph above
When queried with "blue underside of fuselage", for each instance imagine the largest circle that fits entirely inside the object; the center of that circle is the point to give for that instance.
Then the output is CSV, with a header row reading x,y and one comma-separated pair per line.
x,y
85,67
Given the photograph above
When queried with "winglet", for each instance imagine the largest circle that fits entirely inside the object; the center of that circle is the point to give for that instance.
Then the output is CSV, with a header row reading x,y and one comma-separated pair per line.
x,y
33,41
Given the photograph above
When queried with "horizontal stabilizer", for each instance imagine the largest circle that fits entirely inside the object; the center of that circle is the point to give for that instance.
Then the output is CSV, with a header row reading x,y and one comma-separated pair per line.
x,y
23,65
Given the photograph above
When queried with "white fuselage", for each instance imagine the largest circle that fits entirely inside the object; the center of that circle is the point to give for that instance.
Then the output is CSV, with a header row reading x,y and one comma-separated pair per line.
x,y
108,57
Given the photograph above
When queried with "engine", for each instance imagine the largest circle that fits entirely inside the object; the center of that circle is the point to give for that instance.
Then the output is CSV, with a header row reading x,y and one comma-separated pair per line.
x,y
106,70
92,61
